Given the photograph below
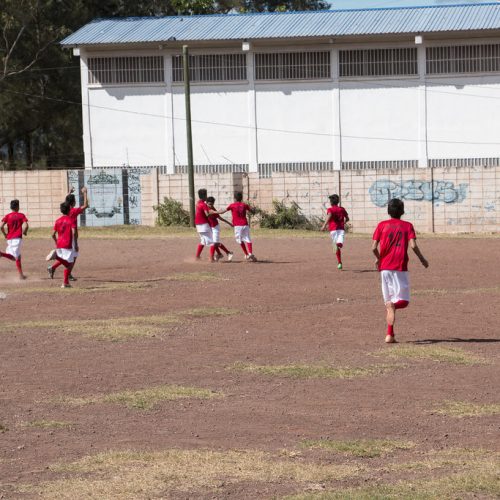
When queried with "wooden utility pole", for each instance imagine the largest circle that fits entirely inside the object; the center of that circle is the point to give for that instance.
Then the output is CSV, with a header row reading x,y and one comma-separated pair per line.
x,y
187,95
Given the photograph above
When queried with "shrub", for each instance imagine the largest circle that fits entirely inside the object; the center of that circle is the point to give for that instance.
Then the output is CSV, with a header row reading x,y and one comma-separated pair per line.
x,y
171,213
284,217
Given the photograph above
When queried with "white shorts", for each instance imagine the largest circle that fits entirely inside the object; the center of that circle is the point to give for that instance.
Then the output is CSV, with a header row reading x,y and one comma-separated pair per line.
x,y
205,232
216,234
395,286
337,236
242,233
66,254
14,247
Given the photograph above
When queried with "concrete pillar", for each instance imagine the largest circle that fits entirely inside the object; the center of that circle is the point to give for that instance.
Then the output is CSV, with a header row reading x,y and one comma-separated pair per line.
x,y
253,152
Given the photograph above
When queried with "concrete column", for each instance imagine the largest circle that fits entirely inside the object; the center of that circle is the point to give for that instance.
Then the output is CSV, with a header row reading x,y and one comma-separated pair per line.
x,y
169,114
86,114
253,147
423,156
337,128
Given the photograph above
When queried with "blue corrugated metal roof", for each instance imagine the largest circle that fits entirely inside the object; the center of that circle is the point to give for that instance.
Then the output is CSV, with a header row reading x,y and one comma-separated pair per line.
x,y
331,23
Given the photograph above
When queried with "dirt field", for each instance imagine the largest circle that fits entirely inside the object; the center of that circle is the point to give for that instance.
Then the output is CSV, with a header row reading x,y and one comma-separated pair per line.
x,y
161,377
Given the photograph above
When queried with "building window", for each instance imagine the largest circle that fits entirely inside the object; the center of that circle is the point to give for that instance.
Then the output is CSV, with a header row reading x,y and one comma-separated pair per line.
x,y
463,59
211,68
292,66
125,70
378,62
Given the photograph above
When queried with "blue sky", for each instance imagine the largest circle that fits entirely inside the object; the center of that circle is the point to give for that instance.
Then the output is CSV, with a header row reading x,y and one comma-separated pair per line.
x,y
361,4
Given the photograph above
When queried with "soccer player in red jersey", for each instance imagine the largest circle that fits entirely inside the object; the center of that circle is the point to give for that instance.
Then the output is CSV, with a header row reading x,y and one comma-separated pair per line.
x,y
394,236
74,213
336,218
17,225
213,221
202,226
239,212
66,241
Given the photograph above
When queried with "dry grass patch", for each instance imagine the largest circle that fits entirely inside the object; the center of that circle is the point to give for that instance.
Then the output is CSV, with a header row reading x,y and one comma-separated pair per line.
x,y
131,474
462,409
3,428
196,276
203,312
107,287
446,291
364,448
143,399
48,424
439,354
303,371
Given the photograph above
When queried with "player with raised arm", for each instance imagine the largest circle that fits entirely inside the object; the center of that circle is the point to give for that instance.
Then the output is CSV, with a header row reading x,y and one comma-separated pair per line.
x,y
239,212
17,226
394,236
336,218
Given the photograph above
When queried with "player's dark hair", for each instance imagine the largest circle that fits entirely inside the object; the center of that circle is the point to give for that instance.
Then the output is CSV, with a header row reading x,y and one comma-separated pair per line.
x,y
211,199
14,205
65,208
202,194
395,208
334,199
70,200
238,196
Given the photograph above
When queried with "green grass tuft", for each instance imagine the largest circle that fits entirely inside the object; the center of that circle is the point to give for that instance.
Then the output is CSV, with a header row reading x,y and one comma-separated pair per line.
x,y
462,409
364,448
48,424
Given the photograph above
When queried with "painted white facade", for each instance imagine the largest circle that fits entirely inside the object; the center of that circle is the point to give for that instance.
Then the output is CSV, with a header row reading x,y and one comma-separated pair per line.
x,y
253,123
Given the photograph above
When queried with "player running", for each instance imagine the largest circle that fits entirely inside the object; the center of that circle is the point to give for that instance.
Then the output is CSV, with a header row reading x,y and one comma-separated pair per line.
x,y
336,218
17,226
394,235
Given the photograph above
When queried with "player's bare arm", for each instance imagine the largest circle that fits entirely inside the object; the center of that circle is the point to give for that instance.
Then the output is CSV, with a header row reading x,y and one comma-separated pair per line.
x,y
71,190
220,212
74,233
54,237
25,228
418,253
327,221
4,224
376,253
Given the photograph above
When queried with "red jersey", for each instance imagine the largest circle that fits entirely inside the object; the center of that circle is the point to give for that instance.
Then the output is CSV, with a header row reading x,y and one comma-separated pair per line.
x,y
200,216
213,220
64,226
339,215
239,212
394,235
14,222
74,213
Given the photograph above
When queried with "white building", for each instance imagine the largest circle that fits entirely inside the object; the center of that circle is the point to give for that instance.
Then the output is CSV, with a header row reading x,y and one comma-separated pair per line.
x,y
396,87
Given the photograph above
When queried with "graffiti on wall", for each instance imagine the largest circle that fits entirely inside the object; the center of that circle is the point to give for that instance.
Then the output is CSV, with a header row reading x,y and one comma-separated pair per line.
x,y
383,190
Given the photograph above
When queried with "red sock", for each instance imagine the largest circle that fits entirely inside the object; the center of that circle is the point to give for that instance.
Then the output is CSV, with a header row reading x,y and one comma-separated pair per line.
x,y
224,248
199,250
212,252
250,248
390,330
18,265
244,248
339,256
67,272
401,304
7,256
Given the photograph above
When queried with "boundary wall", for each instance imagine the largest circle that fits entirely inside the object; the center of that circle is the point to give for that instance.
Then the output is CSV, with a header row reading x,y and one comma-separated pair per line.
x,y
441,200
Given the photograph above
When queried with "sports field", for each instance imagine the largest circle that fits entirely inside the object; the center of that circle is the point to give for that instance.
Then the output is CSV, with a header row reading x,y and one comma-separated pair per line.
x,y
160,377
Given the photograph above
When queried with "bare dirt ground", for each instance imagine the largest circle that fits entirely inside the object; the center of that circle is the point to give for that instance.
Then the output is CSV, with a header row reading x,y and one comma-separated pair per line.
x,y
258,380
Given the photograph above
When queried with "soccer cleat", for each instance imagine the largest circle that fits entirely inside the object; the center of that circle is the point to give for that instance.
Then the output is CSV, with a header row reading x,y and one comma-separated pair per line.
x,y
22,277
65,285
389,339
230,256
72,278
339,266
51,256
51,272
252,258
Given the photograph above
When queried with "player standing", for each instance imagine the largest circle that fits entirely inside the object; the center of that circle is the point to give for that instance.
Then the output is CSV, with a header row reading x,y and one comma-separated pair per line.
x,y
66,241
336,218
239,212
213,221
394,235
202,226
17,225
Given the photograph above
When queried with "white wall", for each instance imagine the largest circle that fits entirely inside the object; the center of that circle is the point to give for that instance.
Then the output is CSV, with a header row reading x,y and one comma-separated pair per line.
x,y
128,126
220,122
379,120
295,122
